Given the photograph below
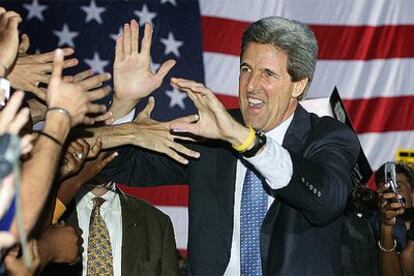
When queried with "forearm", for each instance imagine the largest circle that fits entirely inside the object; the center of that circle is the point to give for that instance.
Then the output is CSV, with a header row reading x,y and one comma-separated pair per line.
x,y
389,260
39,171
120,108
114,136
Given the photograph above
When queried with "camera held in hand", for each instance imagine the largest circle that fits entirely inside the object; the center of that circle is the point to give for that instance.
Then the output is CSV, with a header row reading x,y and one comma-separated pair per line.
x,y
391,180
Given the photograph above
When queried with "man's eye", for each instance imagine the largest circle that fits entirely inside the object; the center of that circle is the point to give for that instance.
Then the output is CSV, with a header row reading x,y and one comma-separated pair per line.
x,y
269,73
244,69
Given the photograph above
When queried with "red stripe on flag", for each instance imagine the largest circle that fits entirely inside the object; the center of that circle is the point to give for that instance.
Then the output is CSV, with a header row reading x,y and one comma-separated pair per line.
x,y
175,195
381,114
230,102
335,42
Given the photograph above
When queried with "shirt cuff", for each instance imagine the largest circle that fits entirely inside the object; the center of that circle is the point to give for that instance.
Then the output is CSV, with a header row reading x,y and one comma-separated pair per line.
x,y
274,164
126,119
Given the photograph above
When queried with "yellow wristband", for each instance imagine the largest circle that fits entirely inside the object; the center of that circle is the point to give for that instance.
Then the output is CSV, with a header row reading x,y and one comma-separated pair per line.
x,y
247,143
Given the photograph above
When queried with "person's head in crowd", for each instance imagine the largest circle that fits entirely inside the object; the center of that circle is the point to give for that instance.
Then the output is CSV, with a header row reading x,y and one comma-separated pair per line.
x,y
405,181
278,59
363,201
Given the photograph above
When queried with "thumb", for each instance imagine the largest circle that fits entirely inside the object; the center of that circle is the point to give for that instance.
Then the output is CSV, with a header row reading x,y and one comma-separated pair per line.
x,y
146,112
24,44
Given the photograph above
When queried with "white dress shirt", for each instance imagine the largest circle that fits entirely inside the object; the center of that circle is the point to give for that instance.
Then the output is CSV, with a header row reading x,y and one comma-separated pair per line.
x,y
111,214
275,165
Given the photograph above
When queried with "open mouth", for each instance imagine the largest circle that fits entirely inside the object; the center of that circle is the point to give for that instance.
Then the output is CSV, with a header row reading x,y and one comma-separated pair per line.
x,y
255,103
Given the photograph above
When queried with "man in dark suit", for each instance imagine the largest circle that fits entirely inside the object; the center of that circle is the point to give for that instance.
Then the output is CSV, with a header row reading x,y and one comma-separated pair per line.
x,y
268,192
141,236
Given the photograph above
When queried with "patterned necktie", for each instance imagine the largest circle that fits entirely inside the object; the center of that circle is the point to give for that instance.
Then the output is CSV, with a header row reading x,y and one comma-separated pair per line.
x,y
252,212
99,244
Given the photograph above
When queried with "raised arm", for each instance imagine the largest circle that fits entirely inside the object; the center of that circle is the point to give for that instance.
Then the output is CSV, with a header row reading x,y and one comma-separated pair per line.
x,y
68,105
133,77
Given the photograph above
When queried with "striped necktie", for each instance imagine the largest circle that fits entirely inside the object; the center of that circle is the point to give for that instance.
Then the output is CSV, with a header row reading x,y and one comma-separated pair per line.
x,y
99,243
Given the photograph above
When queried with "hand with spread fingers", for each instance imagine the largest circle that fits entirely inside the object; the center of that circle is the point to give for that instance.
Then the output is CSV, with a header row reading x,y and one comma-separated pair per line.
x,y
31,70
9,39
133,77
156,136
73,98
214,121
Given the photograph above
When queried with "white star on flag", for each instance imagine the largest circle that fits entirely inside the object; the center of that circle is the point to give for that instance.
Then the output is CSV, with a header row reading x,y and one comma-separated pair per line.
x,y
66,36
171,1
35,10
97,64
93,12
145,15
176,97
171,45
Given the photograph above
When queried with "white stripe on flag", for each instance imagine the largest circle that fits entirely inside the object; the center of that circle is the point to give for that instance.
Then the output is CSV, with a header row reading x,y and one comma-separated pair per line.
x,y
332,12
179,218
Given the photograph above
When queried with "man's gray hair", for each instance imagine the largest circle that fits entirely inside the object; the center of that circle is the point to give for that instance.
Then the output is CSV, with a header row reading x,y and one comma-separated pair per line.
x,y
292,37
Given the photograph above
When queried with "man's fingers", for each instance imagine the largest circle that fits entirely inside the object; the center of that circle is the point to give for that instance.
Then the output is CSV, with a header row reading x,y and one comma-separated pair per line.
x,y
127,39
94,81
57,65
165,68
187,119
107,116
26,143
149,107
108,159
184,150
24,44
96,108
146,40
98,93
179,127
119,48
82,75
134,36
174,155
68,63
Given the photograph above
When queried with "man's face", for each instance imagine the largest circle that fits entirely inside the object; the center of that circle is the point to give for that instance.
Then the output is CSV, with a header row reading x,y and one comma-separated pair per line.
x,y
267,94
405,189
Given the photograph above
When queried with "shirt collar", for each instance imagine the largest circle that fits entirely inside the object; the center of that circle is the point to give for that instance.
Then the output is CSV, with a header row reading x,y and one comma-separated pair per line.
x,y
84,199
279,132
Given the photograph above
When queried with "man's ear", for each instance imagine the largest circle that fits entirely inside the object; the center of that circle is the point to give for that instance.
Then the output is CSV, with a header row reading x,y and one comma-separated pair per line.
x,y
299,87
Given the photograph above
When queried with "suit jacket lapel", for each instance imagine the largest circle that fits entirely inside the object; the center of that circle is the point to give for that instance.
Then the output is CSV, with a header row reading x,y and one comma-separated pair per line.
x,y
294,141
132,230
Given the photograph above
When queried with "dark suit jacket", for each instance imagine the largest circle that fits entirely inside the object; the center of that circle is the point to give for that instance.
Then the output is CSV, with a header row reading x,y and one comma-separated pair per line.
x,y
148,242
300,234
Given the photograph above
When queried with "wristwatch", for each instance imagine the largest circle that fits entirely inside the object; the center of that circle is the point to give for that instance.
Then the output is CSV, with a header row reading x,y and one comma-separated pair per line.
x,y
259,143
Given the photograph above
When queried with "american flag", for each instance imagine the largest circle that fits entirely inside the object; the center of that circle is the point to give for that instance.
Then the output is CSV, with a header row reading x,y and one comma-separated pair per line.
x,y
366,51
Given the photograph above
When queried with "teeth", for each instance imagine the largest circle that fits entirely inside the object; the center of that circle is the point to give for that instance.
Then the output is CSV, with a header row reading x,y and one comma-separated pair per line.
x,y
254,101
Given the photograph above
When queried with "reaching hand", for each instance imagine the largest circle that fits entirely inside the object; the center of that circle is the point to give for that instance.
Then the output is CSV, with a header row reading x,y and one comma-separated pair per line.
x,y
31,70
61,243
133,77
14,261
214,121
389,206
73,97
9,38
75,156
156,136
11,119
